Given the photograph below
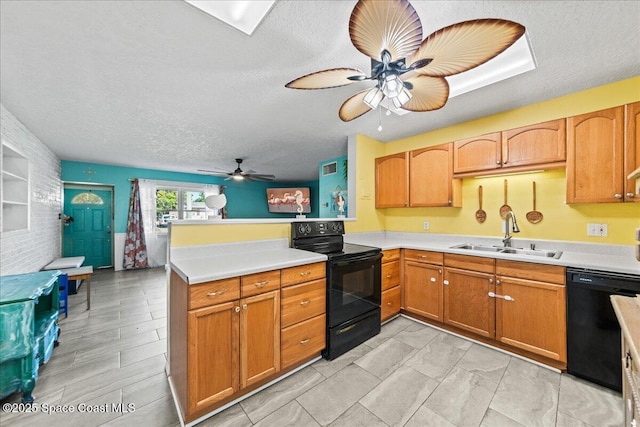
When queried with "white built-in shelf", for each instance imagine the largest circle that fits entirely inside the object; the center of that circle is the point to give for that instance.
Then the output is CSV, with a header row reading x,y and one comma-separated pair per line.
x,y
15,189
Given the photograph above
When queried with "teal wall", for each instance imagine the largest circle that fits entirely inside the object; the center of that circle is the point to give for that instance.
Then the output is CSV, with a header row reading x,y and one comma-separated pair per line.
x,y
329,185
244,199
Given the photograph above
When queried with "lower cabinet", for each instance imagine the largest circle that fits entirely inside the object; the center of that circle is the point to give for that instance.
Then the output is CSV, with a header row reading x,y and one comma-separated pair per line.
x,y
390,303
531,308
467,304
423,289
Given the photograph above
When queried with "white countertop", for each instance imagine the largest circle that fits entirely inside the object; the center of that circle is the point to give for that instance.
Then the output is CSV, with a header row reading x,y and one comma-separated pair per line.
x,y
198,264
613,258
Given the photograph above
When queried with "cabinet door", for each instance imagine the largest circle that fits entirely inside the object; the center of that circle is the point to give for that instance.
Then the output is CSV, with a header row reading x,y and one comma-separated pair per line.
x,y
533,317
467,303
632,151
259,337
477,154
535,144
390,303
422,293
595,157
392,181
431,180
213,360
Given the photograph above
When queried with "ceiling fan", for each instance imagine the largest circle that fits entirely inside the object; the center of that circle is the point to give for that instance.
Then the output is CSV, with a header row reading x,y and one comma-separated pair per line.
x,y
240,175
390,33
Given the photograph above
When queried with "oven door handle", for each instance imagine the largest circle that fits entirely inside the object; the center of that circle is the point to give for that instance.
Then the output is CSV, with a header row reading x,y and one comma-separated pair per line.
x,y
357,259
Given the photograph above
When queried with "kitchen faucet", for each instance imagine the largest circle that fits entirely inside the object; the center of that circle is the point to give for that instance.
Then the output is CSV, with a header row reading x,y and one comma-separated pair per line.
x,y
507,234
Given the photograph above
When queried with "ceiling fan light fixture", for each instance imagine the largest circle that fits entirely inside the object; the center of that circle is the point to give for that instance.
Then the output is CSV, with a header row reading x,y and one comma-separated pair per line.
x,y
403,97
392,85
238,177
373,97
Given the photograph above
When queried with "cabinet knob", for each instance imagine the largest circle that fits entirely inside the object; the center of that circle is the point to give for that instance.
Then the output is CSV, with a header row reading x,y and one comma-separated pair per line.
x,y
389,303
305,302
497,282
449,201
490,280
237,309
439,271
504,163
629,195
305,273
389,276
618,196
497,162
406,203
244,306
433,279
445,282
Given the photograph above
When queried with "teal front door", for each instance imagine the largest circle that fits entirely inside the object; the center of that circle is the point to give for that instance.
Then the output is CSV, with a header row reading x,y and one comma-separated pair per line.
x,y
89,234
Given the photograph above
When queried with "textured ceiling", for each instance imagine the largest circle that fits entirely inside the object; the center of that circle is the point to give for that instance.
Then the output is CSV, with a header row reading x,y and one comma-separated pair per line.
x,y
161,85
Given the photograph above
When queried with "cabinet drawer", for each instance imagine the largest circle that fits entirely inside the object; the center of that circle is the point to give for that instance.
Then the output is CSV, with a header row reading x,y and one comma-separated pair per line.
x,y
253,284
303,273
302,340
530,271
423,256
390,255
302,302
216,292
390,303
469,262
390,274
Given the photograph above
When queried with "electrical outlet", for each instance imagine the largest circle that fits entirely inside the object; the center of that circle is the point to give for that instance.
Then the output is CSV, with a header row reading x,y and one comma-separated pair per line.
x,y
426,225
597,230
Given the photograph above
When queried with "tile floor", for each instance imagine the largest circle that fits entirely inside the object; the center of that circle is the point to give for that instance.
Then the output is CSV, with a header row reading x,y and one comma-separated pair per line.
x,y
410,375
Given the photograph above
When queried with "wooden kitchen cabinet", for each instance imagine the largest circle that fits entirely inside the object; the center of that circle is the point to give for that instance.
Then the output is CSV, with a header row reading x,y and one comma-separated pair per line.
x,y
467,304
390,303
259,337
595,157
431,181
480,153
542,145
631,150
213,358
392,181
304,296
531,308
422,286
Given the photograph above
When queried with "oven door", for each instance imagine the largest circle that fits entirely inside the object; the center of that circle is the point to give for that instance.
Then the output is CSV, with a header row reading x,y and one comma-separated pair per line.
x,y
354,286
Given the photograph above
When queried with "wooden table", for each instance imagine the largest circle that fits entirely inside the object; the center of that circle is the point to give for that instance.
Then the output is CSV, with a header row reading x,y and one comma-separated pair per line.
x,y
81,273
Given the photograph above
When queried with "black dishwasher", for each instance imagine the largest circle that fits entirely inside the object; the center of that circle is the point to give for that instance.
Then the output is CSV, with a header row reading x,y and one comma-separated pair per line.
x,y
593,332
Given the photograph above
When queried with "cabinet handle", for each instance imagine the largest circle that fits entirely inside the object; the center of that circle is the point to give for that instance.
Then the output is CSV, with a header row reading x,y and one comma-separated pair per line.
x,y
490,280
244,306
305,341
305,302
388,303
629,195
433,279
497,162
422,256
504,297
215,294
618,196
445,282
305,273
389,276
261,284
497,282
504,163
237,309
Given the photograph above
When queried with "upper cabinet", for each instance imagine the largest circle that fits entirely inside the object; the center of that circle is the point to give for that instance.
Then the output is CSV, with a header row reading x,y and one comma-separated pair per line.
x,y
596,156
392,181
530,147
15,189
632,150
431,180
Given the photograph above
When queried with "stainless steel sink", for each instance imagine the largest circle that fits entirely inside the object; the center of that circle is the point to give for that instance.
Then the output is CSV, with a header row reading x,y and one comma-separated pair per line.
x,y
515,251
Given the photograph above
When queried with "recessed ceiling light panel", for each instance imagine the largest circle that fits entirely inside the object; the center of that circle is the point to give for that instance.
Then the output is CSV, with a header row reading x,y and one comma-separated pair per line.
x,y
242,15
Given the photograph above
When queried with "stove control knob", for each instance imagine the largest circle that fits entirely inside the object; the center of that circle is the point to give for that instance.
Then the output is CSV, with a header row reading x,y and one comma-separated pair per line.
x,y
307,228
301,228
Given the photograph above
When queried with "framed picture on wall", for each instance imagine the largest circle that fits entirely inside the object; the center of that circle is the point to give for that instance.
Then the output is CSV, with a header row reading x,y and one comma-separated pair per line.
x,y
289,200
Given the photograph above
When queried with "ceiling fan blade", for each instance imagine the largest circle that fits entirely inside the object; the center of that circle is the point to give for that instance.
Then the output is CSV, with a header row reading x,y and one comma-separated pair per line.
x,y
218,173
392,25
261,177
465,45
325,79
429,93
354,107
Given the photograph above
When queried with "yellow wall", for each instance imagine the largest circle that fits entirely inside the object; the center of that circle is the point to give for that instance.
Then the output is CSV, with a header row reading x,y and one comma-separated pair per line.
x,y
561,221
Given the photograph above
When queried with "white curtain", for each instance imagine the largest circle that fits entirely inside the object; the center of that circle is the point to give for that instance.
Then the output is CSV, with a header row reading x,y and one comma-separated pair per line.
x,y
156,246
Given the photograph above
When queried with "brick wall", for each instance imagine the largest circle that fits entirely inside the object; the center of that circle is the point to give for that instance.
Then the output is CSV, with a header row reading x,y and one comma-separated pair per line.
x,y
28,251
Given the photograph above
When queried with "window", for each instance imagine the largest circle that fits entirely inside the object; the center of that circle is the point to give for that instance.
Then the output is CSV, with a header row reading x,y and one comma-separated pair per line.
x,y
87,199
182,203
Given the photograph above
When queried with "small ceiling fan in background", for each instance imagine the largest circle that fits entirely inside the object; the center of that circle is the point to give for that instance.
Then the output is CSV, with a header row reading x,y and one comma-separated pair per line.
x,y
390,33
239,174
